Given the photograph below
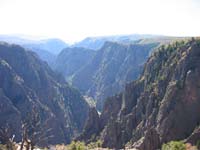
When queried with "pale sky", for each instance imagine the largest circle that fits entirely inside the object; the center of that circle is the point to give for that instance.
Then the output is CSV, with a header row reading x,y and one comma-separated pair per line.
x,y
73,20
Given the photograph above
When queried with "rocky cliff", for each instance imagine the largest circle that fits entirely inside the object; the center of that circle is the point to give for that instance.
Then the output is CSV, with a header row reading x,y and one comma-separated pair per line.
x,y
27,83
162,105
110,69
70,60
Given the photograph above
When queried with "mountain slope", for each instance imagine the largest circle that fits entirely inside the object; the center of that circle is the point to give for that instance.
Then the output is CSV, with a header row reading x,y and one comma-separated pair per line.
x,y
45,56
70,60
110,69
162,105
27,83
53,46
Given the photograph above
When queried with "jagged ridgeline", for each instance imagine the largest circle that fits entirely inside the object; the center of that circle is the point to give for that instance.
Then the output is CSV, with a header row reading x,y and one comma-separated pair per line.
x,y
29,87
162,105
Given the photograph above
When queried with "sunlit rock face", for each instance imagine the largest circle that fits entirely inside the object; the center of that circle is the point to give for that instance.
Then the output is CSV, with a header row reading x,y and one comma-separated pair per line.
x,y
162,105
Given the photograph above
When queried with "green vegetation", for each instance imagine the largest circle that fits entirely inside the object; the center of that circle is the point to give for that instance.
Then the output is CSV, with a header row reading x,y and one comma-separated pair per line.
x,y
2,147
76,146
198,42
96,144
166,57
180,84
8,146
174,145
82,146
44,148
161,77
198,144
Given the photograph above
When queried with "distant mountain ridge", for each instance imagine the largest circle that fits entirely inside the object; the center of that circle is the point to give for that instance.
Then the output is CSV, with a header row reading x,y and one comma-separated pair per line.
x,y
47,49
51,45
96,43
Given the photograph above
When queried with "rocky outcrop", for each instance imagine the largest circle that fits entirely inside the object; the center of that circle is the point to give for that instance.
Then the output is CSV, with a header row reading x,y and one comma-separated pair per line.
x,y
150,141
110,69
162,105
92,126
27,83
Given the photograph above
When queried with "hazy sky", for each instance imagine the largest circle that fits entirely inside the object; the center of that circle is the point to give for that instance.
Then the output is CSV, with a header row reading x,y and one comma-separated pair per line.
x,y
73,20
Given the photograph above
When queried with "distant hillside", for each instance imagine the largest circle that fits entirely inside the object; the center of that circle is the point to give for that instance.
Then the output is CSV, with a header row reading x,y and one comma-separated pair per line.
x,y
26,84
160,39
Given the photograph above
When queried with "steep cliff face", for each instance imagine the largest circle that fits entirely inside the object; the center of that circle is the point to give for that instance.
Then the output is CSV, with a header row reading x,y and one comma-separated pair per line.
x,y
162,105
70,60
92,127
110,69
28,83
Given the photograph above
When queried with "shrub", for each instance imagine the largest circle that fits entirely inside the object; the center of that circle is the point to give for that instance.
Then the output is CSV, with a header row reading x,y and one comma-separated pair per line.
x,y
198,42
198,144
96,144
174,145
2,147
180,84
77,146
